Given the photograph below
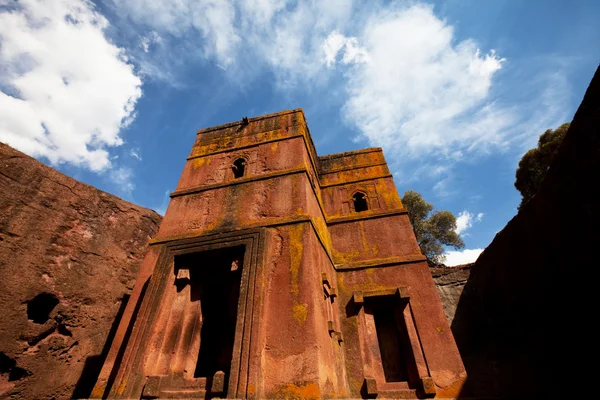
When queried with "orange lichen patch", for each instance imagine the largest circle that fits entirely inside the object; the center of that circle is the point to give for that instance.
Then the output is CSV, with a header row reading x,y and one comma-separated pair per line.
x,y
199,162
251,389
341,161
202,148
367,248
299,312
389,194
213,227
321,228
356,174
452,391
121,389
343,258
98,390
307,390
340,281
296,233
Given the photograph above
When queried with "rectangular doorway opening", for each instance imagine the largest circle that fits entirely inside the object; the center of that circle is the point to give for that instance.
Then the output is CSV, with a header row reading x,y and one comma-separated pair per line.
x,y
215,280
397,358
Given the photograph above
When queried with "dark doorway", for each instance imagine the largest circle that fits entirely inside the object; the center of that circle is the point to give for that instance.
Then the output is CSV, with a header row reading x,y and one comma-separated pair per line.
x,y
360,202
215,280
394,344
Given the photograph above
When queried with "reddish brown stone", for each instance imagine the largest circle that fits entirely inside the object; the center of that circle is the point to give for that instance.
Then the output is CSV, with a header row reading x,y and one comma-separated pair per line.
x,y
450,282
69,254
316,255
218,383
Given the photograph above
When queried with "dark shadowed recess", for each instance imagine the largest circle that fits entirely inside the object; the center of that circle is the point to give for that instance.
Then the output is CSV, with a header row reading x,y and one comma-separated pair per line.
x,y
517,324
40,307
93,364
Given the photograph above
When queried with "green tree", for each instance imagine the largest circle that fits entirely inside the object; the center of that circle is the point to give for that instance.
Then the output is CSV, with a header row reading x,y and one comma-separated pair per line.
x,y
433,230
535,163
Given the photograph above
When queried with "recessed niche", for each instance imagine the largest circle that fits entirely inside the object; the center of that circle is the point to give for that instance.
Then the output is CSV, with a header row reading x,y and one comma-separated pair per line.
x,y
40,307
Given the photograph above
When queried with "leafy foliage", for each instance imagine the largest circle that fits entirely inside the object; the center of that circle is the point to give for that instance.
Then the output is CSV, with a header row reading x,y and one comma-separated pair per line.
x,y
535,163
433,230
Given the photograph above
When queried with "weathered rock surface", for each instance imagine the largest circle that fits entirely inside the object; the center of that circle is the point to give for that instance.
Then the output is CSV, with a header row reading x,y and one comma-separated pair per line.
x,y
69,254
515,324
450,282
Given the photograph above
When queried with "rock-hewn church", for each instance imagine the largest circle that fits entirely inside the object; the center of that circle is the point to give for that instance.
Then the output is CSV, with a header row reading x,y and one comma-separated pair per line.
x,y
277,273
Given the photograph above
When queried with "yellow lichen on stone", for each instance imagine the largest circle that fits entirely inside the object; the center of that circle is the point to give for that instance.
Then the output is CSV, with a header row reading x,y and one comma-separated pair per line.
x,y
300,391
296,233
251,389
342,258
299,311
198,162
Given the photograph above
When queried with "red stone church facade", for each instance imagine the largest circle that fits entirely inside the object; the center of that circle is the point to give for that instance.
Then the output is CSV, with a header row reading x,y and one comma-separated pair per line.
x,y
277,273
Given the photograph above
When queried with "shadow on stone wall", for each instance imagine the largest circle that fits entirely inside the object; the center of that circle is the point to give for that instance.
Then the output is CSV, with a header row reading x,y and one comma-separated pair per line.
x,y
513,324
93,364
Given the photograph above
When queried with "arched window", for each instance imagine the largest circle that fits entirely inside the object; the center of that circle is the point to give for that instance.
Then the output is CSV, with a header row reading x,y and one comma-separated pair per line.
x,y
238,168
360,202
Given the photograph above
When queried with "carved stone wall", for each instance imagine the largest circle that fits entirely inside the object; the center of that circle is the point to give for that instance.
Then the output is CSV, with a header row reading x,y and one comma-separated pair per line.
x,y
299,332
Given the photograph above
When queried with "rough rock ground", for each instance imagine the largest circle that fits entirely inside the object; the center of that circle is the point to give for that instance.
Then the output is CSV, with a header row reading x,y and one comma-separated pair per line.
x,y
69,254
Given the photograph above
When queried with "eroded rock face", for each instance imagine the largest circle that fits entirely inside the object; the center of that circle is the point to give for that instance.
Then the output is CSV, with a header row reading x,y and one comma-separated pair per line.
x,y
450,282
69,254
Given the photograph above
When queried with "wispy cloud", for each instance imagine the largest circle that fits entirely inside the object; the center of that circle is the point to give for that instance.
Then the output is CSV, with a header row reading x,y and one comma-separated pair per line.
x,y
122,178
465,220
65,102
135,153
212,20
162,208
149,40
242,37
348,47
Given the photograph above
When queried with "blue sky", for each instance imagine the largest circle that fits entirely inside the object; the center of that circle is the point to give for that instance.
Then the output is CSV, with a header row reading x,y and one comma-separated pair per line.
x,y
112,93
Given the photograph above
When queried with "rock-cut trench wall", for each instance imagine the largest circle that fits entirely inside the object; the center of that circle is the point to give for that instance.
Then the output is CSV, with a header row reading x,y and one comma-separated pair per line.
x,y
69,255
524,319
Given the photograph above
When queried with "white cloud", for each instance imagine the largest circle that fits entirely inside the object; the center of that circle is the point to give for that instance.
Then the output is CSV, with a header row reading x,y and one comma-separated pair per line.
x,y
213,20
453,258
241,37
351,51
289,38
66,91
465,221
421,91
